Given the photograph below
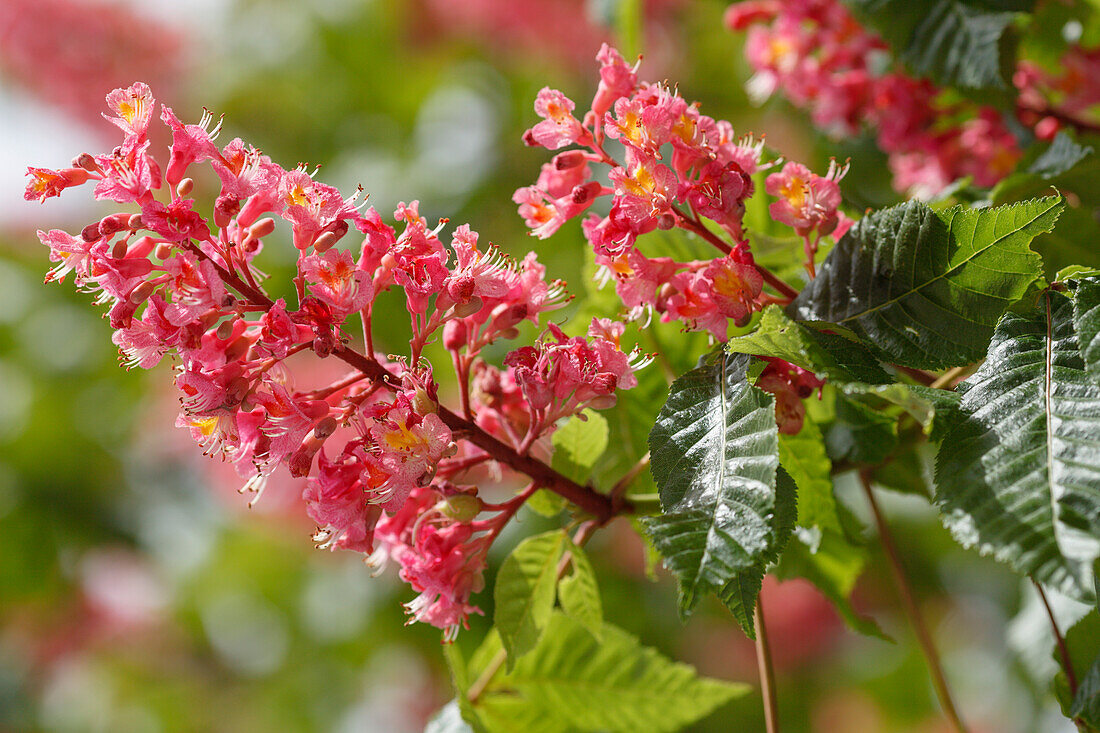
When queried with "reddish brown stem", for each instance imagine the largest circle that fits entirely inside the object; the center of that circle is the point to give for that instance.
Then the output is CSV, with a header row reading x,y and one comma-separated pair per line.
x,y
765,668
1060,641
699,228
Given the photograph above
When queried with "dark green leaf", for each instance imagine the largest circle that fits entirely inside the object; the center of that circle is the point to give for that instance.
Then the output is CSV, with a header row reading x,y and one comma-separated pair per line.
x,y
740,593
578,684
1062,155
1086,322
1019,475
713,456
1086,703
524,592
860,434
923,288
959,43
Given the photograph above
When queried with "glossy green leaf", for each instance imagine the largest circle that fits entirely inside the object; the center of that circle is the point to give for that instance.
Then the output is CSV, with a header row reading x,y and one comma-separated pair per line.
x,y
576,683
1086,703
740,593
579,594
524,592
829,355
1019,476
923,288
713,456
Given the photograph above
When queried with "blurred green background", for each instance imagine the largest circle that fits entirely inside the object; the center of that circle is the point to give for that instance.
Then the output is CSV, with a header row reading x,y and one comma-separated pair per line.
x,y
137,590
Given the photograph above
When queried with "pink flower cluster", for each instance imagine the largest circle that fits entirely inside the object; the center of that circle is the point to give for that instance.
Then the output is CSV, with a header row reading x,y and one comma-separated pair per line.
x,y
681,168
185,285
816,53
1073,89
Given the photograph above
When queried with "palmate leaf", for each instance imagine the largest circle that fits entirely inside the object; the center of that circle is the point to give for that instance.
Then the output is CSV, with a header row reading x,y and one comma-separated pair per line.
x,y
1019,474
923,288
714,457
572,682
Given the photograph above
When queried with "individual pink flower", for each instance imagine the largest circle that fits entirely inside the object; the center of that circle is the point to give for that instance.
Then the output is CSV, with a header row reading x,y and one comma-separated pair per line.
x,y
133,108
340,504
645,191
46,183
617,80
807,201
336,280
559,127
129,173
176,222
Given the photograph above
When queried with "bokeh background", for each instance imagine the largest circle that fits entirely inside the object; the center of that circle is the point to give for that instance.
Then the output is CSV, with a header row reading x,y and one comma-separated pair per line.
x,y
138,592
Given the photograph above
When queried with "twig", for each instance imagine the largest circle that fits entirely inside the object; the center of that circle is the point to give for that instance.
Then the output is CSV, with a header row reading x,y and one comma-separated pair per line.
x,y
1059,640
924,638
766,670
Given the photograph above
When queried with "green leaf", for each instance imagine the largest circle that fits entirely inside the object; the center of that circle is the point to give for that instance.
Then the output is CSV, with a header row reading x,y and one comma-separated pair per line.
x,y
524,592
803,457
578,444
1019,475
860,434
545,503
1082,642
713,456
458,715
1063,154
923,288
1086,322
932,408
579,593
1086,703
833,565
576,683
740,593
956,43
830,356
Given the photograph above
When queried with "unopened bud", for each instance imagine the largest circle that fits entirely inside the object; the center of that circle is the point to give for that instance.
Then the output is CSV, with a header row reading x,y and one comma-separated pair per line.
x,y
470,307
118,251
666,221
510,333
569,159
322,346
91,233
225,208
324,242
236,392
163,251
454,335
460,507
135,222
85,161
141,293
185,186
325,428
109,225
603,402
225,329
262,228
586,192
141,247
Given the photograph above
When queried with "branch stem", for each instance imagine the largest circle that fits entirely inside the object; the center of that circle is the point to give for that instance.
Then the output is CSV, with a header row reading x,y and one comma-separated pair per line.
x,y
924,638
1059,640
766,669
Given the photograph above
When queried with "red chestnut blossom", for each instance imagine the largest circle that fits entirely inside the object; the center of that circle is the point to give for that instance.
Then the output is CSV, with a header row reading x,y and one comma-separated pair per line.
x,y
182,285
707,178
